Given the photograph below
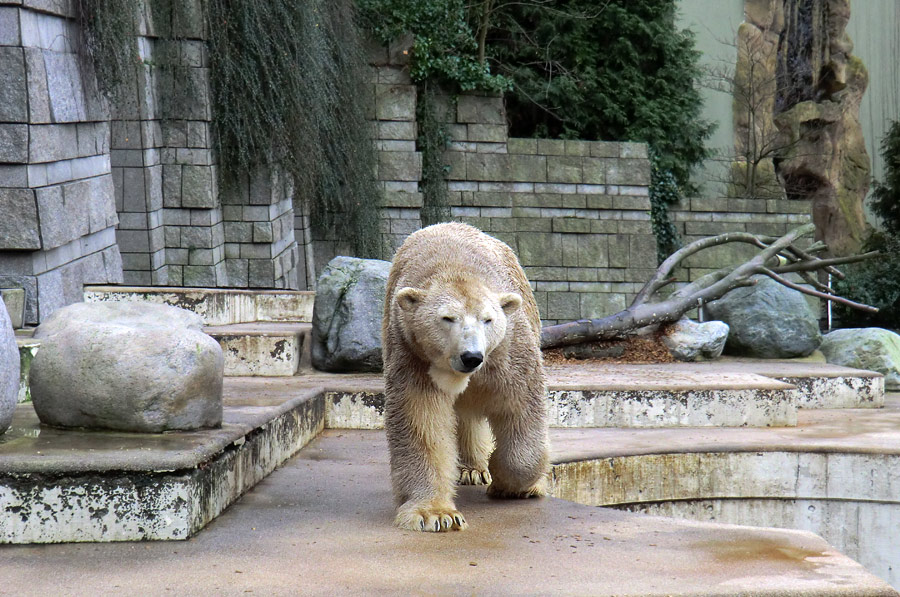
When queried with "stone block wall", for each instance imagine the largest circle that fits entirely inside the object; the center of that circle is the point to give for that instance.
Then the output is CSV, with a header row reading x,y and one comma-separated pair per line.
x,y
701,217
57,230
183,229
575,212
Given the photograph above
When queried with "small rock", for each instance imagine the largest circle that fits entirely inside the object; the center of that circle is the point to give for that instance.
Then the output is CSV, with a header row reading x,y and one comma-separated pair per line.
x,y
127,366
690,341
347,313
872,349
767,321
9,370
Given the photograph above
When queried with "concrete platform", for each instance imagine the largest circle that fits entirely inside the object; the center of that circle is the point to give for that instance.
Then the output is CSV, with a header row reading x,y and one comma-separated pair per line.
x,y
719,394
217,306
321,525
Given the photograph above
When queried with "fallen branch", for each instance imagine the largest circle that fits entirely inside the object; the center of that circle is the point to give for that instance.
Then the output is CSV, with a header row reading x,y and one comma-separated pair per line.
x,y
777,256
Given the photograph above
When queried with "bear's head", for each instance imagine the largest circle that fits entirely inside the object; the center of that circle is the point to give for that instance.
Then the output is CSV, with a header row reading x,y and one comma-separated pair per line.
x,y
456,323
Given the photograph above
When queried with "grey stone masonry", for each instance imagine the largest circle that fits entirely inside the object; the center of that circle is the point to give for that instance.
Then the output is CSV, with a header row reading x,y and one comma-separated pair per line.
x,y
701,217
575,212
179,228
57,230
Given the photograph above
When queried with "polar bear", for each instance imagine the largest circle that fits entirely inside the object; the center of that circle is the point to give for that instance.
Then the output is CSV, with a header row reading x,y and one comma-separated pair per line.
x,y
463,372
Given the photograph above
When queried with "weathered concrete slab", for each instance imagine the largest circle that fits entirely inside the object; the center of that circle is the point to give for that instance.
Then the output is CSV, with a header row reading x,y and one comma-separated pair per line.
x,y
837,474
65,485
217,306
331,505
261,349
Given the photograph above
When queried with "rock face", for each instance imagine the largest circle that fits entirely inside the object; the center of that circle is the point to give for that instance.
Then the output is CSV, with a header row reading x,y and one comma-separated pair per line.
x,y
127,366
873,349
767,321
9,370
820,88
346,334
690,341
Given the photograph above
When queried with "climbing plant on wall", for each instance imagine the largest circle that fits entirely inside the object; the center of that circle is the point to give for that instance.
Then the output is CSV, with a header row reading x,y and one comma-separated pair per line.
x,y
289,90
607,70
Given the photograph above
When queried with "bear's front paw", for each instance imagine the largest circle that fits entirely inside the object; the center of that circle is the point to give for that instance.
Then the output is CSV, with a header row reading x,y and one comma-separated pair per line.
x,y
474,476
430,516
497,491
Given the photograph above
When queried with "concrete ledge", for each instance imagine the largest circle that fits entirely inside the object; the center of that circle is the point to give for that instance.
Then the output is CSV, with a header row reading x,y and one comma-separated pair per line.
x,y
217,306
332,505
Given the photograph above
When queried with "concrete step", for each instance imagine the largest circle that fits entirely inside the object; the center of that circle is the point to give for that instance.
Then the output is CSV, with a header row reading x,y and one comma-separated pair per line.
x,y
263,349
217,306
836,474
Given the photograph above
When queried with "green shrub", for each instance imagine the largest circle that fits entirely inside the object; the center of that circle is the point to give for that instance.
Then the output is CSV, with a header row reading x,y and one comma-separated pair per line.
x,y
874,282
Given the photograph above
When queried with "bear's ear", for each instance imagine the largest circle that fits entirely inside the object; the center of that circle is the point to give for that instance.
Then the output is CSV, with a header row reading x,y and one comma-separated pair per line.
x,y
509,302
410,298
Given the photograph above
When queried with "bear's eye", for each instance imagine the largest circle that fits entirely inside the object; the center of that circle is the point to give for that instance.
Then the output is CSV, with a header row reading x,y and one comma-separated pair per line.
x,y
488,320
448,319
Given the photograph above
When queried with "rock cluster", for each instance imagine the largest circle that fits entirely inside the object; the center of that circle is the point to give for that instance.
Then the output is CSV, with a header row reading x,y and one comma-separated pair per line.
x,y
873,349
690,341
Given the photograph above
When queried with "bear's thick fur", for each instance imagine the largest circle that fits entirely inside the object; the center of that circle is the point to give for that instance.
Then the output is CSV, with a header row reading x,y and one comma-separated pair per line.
x,y
462,359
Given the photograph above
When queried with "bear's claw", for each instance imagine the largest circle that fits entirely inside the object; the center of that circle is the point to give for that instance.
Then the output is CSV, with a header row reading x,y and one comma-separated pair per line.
x,y
430,519
471,476
539,489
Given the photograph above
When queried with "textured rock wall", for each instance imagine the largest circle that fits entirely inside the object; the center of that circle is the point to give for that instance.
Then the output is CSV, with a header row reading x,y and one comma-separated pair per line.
x,y
57,230
810,86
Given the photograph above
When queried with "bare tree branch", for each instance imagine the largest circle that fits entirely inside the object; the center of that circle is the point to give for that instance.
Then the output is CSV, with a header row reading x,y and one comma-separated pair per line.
x,y
710,287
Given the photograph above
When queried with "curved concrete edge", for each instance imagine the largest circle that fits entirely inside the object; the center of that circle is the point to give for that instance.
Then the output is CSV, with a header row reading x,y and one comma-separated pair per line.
x,y
850,498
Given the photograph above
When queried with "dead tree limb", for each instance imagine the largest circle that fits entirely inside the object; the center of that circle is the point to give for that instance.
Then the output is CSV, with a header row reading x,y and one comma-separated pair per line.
x,y
777,256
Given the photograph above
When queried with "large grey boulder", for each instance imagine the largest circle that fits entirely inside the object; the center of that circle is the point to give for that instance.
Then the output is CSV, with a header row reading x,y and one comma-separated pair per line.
x,y
9,370
127,366
346,333
872,349
690,341
767,321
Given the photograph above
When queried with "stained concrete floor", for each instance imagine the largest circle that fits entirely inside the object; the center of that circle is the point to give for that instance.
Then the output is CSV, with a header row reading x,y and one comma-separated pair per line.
x,y
321,525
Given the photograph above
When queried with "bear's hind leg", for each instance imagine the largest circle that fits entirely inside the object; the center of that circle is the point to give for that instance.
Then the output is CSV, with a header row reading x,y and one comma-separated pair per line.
x,y
475,446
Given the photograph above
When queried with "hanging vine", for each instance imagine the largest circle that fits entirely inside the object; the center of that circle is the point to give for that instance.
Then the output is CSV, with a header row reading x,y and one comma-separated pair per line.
x,y
289,89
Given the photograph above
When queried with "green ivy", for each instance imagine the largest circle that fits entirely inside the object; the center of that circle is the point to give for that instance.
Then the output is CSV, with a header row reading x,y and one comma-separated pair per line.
x,y
885,200
432,142
664,192
444,49
876,281
615,71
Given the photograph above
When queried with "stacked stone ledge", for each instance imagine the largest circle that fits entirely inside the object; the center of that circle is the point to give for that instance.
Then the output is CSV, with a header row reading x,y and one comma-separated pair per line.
x,y
56,192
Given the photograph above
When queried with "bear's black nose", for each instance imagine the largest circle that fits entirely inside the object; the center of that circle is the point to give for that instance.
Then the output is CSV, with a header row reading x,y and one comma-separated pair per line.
x,y
471,360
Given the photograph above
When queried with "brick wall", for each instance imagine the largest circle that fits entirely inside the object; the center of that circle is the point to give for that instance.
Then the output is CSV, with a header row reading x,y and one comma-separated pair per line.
x,y
577,213
57,208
